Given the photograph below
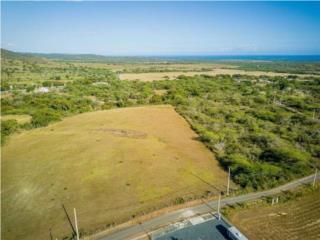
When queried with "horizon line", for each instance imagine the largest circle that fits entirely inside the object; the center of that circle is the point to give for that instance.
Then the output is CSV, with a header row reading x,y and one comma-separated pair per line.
x,y
171,54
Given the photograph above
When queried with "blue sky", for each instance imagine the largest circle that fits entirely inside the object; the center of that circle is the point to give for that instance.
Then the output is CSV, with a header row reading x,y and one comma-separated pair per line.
x,y
162,28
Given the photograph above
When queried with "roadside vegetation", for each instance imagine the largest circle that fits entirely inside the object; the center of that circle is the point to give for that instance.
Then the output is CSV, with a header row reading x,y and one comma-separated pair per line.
x,y
266,129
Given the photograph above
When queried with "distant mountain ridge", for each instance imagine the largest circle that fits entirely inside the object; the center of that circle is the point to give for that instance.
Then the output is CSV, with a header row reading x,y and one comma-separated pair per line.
x,y
25,57
163,59
7,54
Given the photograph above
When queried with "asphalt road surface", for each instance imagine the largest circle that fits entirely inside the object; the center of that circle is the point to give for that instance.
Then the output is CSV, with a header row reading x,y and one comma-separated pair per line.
x,y
175,216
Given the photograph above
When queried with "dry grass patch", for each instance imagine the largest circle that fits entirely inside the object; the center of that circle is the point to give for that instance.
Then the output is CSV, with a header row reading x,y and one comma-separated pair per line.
x,y
195,66
21,119
296,219
154,76
109,165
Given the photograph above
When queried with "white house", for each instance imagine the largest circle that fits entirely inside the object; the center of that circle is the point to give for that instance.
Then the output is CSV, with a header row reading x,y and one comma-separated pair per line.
x,y
42,90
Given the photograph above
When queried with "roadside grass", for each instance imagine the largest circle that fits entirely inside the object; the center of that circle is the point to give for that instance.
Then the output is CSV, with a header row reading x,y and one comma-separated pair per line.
x,y
110,165
296,216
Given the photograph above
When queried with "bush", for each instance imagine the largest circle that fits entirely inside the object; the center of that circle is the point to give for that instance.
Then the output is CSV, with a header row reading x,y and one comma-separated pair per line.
x,y
259,139
265,115
156,99
8,127
238,162
284,154
44,117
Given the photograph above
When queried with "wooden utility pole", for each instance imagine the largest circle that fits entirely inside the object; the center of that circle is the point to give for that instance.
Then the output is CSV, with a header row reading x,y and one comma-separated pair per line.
x,y
76,223
315,178
69,220
50,234
219,215
228,187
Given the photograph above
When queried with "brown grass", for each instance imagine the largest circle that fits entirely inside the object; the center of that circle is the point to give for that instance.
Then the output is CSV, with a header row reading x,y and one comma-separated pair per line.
x,y
154,76
296,219
109,165
21,119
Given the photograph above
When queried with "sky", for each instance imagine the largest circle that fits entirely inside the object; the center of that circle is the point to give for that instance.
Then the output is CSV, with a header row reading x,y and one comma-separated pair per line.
x,y
162,28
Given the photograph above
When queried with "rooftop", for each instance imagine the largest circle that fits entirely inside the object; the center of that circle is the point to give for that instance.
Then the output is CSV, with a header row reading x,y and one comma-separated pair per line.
x,y
205,227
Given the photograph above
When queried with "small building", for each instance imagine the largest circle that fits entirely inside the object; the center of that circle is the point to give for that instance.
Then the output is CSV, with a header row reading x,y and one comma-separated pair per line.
x,y
42,90
206,226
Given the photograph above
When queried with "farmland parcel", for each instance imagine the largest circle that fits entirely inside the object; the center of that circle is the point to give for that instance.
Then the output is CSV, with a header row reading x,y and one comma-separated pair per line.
x,y
109,165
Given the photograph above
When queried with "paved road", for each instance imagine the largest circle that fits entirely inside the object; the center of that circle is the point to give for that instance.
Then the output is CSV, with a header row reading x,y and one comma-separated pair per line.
x,y
199,209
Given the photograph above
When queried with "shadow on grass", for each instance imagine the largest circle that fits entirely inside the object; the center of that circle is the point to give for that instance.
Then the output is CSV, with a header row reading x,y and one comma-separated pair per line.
x,y
69,220
204,181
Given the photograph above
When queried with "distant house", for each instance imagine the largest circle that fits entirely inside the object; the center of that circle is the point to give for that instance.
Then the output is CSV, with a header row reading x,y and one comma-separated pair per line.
x,y
42,90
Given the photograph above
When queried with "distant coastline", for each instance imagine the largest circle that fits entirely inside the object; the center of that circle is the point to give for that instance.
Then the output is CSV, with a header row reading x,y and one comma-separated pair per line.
x,y
262,58
173,58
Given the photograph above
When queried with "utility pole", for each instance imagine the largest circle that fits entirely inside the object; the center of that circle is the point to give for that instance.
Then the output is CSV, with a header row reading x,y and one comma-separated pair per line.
x,y
315,178
149,238
228,187
50,234
76,223
219,215
69,220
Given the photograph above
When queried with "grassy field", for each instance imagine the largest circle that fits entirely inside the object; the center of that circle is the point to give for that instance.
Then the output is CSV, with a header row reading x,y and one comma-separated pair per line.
x,y
153,76
293,219
155,66
110,165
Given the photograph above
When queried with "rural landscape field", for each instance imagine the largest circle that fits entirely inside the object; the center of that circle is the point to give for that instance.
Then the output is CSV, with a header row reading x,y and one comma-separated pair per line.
x,y
111,132
100,147
296,216
147,140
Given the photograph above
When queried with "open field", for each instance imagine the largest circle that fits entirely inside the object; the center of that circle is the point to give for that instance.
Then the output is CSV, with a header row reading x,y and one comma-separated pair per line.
x,y
153,76
294,219
109,165
155,66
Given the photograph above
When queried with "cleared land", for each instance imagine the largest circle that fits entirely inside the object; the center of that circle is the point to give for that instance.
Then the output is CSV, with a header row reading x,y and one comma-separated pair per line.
x,y
295,219
153,76
109,165
159,66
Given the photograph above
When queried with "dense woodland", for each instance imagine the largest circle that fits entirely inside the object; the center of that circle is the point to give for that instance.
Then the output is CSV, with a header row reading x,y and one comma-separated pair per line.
x,y
266,129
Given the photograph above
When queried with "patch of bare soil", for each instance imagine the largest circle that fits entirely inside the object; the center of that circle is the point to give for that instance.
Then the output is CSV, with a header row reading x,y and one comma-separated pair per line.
x,y
122,132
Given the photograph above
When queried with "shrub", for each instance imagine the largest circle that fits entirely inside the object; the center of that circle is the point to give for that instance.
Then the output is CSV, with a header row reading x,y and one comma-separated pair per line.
x,y
265,115
8,127
284,154
44,117
155,99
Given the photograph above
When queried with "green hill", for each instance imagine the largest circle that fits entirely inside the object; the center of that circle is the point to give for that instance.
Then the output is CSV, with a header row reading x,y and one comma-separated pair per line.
x,y
25,57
